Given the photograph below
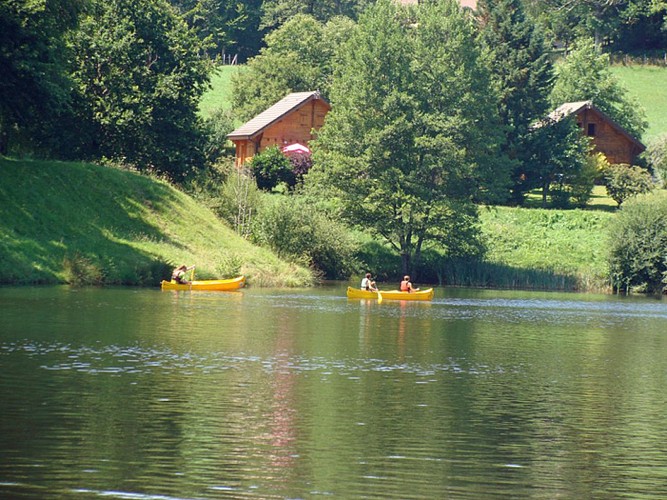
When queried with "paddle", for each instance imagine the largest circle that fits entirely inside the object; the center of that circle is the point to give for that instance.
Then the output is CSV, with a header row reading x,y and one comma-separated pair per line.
x,y
192,276
379,297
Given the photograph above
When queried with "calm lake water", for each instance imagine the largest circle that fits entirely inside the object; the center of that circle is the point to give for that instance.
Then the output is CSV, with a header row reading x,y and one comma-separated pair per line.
x,y
143,394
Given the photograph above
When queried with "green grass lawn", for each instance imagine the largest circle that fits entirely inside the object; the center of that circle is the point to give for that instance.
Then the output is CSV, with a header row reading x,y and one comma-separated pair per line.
x,y
600,200
60,221
648,84
571,242
220,93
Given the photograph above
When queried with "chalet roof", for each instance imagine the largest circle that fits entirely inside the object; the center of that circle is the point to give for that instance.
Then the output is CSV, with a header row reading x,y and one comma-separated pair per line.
x,y
573,108
273,114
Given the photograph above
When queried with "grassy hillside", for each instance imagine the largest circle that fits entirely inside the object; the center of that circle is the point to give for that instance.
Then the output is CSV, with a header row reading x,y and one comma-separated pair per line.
x,y
75,222
547,245
649,85
219,96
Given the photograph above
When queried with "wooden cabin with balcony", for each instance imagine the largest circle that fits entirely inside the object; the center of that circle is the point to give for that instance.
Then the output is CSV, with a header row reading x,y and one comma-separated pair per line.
x,y
292,120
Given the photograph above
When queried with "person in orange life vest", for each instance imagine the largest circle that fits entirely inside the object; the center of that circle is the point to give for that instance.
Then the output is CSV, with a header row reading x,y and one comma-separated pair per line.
x,y
406,286
178,275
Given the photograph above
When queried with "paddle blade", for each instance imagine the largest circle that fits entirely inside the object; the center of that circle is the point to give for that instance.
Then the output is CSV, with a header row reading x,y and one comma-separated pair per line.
x,y
379,297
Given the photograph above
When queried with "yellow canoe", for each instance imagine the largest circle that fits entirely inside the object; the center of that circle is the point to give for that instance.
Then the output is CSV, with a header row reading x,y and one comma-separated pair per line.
x,y
356,293
206,285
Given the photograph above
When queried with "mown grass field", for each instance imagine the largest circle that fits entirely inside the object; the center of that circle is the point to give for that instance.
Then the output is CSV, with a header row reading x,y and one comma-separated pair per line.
x,y
219,95
74,222
569,243
648,84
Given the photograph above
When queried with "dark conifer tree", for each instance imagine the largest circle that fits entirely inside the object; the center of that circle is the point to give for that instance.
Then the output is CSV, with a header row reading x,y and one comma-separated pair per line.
x,y
522,73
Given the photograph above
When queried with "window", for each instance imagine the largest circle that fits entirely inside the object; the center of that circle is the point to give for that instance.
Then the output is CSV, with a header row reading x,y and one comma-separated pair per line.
x,y
591,130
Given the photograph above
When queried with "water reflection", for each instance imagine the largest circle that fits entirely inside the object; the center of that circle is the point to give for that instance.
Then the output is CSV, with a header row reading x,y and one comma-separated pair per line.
x,y
282,394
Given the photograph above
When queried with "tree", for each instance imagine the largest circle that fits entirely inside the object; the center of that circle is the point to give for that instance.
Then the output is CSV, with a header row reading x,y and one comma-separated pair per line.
x,y
299,57
277,12
522,75
624,181
620,23
139,77
638,239
412,133
230,27
33,58
584,75
559,157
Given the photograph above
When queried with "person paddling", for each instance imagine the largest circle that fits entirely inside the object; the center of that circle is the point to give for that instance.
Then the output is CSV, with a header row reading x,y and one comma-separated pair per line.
x,y
406,286
178,275
368,284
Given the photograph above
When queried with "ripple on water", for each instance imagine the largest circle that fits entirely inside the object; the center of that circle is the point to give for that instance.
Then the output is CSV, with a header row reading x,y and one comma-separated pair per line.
x,y
116,360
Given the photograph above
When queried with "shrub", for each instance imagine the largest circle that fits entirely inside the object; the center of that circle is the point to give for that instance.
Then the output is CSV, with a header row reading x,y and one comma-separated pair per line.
x,y
239,201
217,126
230,266
296,229
205,183
301,164
271,167
656,155
623,181
638,244
80,270
582,184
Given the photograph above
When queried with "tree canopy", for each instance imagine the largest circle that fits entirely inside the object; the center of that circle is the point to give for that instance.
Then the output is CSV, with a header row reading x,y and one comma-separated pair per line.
x,y
227,27
277,12
33,63
299,57
412,135
522,75
620,24
585,75
138,78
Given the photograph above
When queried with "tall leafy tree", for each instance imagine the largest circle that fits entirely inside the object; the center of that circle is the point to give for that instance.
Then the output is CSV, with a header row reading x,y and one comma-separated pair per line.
x,y
230,27
559,156
629,24
585,75
33,64
277,12
522,75
411,137
139,77
299,57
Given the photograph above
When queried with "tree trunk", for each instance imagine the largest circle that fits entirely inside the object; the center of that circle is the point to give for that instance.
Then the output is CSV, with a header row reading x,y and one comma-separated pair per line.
x,y
4,138
405,262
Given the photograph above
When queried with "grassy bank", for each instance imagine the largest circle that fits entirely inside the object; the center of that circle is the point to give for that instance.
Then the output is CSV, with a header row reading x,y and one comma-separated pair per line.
x,y
81,223
547,249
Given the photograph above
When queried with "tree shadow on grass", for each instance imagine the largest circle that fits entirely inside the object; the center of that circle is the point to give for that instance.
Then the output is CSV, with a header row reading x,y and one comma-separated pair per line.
x,y
81,224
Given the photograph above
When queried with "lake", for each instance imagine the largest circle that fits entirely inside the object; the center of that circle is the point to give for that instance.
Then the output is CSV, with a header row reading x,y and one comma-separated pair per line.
x,y
142,394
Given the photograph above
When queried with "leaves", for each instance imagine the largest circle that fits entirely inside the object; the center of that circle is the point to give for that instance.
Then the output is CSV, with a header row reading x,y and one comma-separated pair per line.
x,y
412,130
139,78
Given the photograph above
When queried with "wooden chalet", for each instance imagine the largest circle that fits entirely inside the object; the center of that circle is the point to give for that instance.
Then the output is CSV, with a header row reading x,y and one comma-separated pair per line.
x,y
292,120
609,138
